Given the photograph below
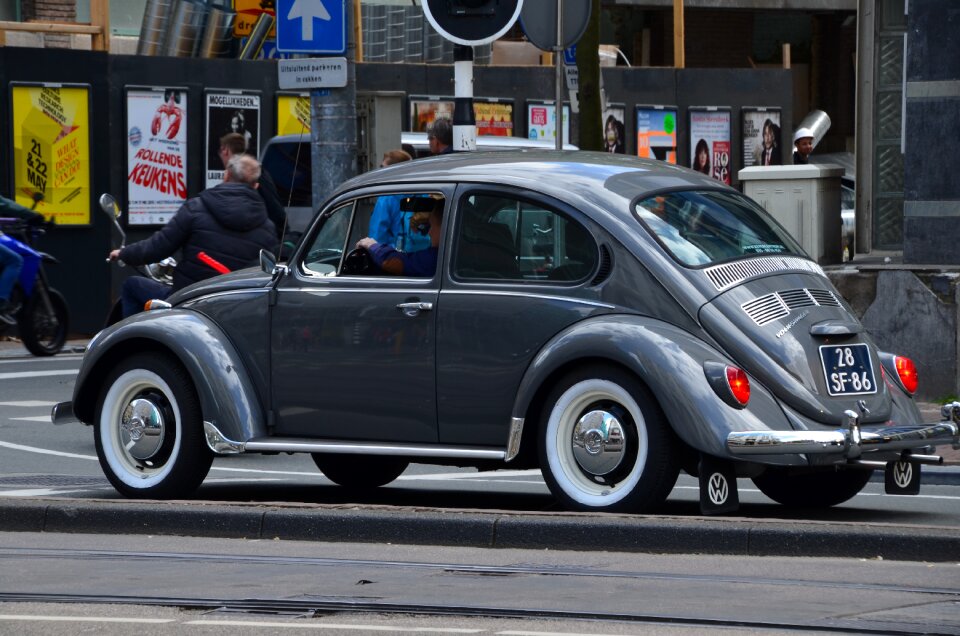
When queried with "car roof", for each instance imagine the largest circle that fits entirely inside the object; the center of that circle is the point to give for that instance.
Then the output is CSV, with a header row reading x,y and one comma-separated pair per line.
x,y
609,180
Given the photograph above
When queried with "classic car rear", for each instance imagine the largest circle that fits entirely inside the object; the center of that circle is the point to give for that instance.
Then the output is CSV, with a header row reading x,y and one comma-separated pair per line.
x,y
605,319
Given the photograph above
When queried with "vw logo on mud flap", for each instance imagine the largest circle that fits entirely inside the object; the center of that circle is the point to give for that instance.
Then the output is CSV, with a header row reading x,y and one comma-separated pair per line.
x,y
902,474
718,490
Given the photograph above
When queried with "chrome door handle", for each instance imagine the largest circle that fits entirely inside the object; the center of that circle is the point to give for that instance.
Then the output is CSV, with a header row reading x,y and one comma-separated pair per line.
x,y
414,309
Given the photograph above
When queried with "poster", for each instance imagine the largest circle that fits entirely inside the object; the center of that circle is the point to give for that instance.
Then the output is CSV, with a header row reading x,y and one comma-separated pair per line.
x,y
710,142
493,116
423,110
293,114
542,121
657,133
614,129
227,112
761,137
156,154
51,150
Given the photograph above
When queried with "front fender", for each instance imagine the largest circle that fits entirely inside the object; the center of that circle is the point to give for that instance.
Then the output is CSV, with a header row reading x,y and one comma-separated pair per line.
x,y
670,361
227,396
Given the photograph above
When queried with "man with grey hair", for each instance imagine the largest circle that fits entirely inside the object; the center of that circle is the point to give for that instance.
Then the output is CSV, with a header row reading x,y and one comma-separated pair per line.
x,y
440,136
228,222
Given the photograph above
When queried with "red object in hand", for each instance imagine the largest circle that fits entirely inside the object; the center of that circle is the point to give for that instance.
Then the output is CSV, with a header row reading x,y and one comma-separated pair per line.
x,y
213,263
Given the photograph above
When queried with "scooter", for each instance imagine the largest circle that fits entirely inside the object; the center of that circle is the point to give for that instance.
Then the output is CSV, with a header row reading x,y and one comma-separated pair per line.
x,y
161,271
40,312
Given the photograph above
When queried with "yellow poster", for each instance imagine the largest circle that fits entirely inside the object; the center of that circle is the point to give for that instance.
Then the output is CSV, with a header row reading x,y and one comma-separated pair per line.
x,y
293,114
51,151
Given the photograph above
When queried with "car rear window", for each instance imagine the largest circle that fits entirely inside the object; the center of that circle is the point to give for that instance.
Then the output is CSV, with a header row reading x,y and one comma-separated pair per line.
x,y
702,228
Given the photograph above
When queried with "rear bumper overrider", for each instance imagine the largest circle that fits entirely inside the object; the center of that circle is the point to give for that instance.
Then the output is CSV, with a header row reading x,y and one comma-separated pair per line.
x,y
851,441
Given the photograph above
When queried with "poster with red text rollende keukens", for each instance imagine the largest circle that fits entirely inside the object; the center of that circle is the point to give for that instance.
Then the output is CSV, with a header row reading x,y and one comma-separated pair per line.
x,y
156,154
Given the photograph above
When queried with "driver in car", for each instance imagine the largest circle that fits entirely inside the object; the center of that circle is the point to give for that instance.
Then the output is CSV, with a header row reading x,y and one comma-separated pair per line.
x,y
389,260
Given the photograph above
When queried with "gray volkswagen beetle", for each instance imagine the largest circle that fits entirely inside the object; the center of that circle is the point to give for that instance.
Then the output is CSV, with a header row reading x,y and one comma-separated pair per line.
x,y
608,320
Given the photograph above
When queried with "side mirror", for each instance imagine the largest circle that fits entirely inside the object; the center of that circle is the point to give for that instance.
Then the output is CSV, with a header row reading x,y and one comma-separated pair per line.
x,y
108,203
268,263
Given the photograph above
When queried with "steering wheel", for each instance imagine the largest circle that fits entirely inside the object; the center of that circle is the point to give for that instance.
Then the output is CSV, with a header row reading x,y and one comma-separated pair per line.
x,y
357,261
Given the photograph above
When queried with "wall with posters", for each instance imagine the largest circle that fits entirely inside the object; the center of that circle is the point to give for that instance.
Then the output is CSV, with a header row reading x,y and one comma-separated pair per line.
x,y
144,144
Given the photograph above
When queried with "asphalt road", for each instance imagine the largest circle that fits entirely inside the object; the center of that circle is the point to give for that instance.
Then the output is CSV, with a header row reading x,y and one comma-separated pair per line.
x,y
45,469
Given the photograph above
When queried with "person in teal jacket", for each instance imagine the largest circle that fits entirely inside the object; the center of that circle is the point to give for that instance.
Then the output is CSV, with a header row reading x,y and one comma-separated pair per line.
x,y
10,262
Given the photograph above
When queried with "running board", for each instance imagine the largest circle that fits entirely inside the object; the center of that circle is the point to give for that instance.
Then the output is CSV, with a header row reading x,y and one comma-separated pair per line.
x,y
223,446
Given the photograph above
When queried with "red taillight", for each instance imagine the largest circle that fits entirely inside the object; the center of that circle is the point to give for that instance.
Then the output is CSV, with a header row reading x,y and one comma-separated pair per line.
x,y
739,384
908,373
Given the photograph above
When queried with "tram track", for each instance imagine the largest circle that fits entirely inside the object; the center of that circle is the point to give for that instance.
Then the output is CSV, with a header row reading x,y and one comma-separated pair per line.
x,y
320,586
314,608
459,568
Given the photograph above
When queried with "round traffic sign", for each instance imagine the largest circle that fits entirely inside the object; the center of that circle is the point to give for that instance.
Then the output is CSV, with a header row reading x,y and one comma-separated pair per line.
x,y
472,22
539,22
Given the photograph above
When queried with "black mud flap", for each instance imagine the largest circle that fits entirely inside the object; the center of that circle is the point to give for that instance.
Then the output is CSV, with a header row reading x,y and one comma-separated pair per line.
x,y
902,478
718,486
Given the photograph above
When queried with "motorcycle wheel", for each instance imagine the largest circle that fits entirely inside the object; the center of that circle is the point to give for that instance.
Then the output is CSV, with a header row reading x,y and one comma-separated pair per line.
x,y
43,333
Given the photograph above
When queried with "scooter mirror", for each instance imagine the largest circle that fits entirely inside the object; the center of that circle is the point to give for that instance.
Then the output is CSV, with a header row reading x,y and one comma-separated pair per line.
x,y
109,205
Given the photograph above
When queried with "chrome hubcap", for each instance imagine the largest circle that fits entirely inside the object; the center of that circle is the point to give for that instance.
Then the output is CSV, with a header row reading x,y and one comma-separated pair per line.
x,y
142,429
599,442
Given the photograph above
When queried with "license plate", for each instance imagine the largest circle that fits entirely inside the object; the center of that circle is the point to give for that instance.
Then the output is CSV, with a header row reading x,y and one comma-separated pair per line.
x,y
847,369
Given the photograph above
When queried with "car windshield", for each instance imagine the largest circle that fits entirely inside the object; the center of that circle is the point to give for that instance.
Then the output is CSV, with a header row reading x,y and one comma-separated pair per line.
x,y
702,228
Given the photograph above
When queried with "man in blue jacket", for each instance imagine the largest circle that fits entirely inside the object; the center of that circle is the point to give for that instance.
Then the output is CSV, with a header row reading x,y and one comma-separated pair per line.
x,y
423,263
228,221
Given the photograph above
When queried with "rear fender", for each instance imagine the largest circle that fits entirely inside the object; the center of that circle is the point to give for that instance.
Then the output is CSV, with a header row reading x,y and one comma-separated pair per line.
x,y
670,361
227,397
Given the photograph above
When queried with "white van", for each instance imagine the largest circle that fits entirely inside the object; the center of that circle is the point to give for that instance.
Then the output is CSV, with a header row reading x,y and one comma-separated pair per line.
x,y
418,140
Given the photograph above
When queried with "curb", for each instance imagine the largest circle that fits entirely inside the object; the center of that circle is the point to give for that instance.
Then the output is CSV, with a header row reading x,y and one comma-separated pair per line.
x,y
540,531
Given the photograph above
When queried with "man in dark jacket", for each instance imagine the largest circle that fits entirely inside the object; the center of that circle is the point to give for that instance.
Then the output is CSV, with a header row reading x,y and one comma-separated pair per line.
x,y
229,222
232,145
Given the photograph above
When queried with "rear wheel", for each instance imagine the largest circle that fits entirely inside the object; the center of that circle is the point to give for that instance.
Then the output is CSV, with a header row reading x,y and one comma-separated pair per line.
x,y
605,444
359,471
149,430
43,329
811,490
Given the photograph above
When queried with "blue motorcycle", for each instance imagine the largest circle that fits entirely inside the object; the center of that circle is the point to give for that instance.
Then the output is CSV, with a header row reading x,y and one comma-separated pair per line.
x,y
40,312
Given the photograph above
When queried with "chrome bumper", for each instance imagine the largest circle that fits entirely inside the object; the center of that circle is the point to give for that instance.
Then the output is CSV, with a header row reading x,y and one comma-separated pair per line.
x,y
62,413
852,440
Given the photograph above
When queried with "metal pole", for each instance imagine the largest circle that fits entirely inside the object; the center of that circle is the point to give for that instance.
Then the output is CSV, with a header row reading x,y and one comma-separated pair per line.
x,y
464,120
558,62
333,127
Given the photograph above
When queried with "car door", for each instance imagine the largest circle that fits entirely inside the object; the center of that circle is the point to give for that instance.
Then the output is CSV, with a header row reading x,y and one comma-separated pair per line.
x,y
353,354
522,268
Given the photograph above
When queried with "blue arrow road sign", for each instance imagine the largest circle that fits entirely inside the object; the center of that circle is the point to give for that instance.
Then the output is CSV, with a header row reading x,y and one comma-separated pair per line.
x,y
312,26
569,55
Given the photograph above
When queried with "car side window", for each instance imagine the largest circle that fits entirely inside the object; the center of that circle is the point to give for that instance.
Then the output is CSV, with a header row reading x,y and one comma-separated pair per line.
x,y
504,238
328,245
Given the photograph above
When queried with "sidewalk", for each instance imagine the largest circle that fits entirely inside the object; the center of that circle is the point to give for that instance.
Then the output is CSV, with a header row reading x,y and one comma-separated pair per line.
x,y
11,347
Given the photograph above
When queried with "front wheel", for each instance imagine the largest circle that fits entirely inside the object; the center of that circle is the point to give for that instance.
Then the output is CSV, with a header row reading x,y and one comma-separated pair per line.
x,y
359,472
605,444
149,430
43,328
811,490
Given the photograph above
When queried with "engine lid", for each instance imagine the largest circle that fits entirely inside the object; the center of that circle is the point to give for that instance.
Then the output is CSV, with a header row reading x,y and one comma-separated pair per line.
x,y
795,333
